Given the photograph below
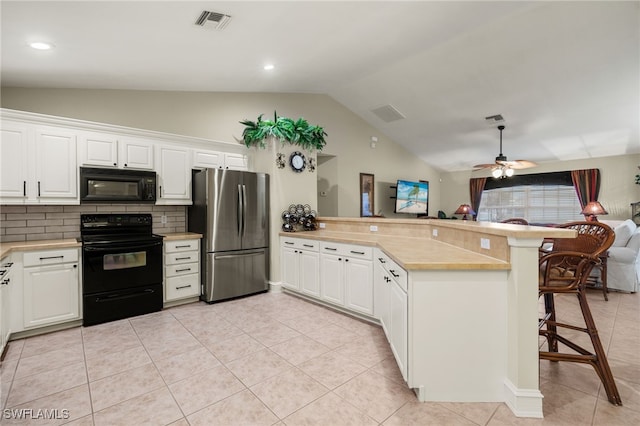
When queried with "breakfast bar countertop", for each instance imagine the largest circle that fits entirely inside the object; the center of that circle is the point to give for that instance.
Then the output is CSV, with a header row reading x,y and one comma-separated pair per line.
x,y
410,252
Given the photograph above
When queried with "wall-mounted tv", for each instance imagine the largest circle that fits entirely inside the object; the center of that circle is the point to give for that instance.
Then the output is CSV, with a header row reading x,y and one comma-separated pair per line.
x,y
412,197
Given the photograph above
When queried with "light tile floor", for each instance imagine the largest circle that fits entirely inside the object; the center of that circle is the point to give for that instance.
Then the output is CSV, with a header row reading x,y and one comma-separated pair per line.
x,y
276,359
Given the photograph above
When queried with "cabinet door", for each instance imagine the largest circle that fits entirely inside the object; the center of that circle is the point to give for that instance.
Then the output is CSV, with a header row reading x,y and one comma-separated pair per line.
x,y
135,154
207,159
56,170
4,315
51,294
290,267
13,162
235,162
309,272
398,341
381,297
174,175
359,285
98,149
332,281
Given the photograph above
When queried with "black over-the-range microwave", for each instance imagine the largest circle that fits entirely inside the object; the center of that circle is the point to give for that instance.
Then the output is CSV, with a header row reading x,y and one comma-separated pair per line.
x,y
117,186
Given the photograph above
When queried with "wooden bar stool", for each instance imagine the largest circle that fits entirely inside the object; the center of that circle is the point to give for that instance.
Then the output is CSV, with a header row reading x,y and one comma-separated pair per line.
x,y
566,271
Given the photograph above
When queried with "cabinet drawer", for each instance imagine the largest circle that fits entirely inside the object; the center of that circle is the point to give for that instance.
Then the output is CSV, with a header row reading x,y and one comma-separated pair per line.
x,y
300,243
350,250
37,258
180,257
398,274
182,269
181,245
181,287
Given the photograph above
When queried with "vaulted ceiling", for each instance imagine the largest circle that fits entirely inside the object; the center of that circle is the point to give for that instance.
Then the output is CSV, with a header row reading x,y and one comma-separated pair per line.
x,y
564,75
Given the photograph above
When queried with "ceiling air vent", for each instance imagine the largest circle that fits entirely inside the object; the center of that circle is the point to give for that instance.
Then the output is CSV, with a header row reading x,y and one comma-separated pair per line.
x,y
219,19
388,113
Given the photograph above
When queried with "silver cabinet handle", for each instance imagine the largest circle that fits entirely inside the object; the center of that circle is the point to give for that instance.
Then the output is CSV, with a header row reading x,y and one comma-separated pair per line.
x,y
357,252
182,270
289,243
5,282
183,246
38,188
24,188
182,258
183,286
308,245
392,272
331,248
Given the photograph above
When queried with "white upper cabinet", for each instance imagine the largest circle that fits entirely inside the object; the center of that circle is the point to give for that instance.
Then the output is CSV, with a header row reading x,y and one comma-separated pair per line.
x,y
40,155
13,162
234,161
174,175
98,149
56,167
136,154
203,159
38,165
107,150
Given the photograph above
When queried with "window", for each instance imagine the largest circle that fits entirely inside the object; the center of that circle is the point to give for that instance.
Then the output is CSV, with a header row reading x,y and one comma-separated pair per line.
x,y
539,203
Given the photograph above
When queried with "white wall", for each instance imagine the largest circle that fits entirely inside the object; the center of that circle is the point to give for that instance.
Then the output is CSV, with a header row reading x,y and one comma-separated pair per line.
x,y
617,187
217,115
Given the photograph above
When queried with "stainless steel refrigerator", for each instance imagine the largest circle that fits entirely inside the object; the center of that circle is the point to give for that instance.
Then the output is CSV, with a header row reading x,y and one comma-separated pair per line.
x,y
231,209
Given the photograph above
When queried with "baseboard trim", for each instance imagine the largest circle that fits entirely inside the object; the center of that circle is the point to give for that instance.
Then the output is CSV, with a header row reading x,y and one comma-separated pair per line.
x,y
523,402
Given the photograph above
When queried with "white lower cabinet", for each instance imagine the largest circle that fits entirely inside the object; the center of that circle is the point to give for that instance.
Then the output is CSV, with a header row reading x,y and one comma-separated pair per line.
x,y
336,273
347,276
300,265
181,269
51,287
5,305
391,304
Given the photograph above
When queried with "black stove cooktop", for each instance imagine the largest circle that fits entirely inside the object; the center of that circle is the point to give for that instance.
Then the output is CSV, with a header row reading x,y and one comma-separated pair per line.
x,y
116,227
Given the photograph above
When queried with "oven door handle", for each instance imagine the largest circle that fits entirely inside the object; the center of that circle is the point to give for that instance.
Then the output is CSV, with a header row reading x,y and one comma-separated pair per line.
x,y
137,247
101,299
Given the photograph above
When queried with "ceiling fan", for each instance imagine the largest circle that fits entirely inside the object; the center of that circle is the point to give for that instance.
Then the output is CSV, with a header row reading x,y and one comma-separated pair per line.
x,y
503,167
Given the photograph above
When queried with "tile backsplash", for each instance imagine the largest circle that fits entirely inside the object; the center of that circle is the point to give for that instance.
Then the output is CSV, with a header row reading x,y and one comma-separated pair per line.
x,y
29,223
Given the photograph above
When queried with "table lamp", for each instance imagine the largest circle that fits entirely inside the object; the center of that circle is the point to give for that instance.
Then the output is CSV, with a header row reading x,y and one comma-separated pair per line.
x,y
465,209
592,210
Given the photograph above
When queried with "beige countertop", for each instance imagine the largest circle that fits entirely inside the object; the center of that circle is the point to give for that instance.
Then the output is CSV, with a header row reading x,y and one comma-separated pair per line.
x,y
8,248
411,253
181,236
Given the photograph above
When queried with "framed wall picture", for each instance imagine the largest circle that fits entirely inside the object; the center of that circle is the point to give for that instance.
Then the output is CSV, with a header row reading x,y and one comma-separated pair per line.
x,y
366,195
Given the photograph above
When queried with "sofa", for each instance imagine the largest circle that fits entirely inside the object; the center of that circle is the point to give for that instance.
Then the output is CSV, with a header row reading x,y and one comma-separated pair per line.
x,y
623,264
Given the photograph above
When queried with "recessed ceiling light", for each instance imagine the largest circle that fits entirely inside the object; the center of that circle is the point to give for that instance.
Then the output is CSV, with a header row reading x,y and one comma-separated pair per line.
x,y
269,67
41,45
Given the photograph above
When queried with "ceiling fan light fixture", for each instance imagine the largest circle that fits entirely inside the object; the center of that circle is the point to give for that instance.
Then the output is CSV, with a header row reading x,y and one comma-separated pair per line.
x,y
497,172
508,172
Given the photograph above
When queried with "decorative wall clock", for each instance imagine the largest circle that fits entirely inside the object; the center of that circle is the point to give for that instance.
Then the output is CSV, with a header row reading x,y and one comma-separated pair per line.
x,y
297,161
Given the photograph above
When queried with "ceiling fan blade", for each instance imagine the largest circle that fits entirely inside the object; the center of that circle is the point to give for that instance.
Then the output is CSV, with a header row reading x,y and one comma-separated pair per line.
x,y
483,166
522,164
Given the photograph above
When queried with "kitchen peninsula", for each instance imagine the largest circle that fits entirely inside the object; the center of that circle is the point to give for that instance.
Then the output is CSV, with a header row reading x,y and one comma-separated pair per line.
x,y
458,300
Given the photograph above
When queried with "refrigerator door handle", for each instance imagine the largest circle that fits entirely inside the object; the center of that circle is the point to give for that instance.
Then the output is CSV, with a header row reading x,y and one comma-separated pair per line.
x,y
244,209
240,211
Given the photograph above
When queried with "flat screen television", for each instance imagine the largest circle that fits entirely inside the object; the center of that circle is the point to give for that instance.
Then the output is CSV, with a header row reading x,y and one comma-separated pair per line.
x,y
412,197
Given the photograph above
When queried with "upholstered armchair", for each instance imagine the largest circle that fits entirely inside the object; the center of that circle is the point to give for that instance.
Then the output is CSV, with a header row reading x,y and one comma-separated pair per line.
x,y
623,263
